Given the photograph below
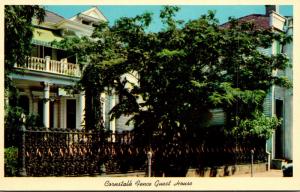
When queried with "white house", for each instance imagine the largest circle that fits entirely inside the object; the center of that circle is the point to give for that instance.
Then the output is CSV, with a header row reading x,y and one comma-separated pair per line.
x,y
279,101
49,70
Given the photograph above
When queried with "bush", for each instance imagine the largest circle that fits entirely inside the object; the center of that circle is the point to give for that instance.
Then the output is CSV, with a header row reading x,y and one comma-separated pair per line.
x,y
260,126
11,161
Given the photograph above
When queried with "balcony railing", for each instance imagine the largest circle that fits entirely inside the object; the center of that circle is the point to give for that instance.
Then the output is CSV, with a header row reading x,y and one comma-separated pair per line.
x,y
51,66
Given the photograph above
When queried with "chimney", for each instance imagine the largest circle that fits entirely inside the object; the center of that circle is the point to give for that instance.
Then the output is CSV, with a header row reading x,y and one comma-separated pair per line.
x,y
271,8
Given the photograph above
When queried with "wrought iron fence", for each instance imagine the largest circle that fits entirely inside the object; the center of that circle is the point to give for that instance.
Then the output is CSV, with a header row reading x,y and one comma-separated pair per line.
x,y
201,156
63,152
57,152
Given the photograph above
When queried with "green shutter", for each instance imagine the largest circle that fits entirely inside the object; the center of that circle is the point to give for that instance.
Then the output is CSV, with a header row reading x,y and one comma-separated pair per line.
x,y
278,47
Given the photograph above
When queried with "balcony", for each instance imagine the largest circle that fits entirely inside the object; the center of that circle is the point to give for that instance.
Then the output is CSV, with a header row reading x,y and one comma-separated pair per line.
x,y
51,66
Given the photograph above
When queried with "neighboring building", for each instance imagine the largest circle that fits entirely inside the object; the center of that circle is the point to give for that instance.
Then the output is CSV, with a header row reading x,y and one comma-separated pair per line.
x,y
279,101
288,98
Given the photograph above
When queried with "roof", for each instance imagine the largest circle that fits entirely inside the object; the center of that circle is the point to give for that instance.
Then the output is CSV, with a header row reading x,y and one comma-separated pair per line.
x,y
52,17
93,13
260,21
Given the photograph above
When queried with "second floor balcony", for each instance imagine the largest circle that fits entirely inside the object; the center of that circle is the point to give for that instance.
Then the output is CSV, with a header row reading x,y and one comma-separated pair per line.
x,y
51,66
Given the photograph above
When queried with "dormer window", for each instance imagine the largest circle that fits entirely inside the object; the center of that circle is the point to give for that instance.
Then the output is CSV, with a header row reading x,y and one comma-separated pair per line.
x,y
85,22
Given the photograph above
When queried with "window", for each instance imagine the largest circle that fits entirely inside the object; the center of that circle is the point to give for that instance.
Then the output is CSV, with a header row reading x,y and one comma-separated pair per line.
x,y
34,51
85,22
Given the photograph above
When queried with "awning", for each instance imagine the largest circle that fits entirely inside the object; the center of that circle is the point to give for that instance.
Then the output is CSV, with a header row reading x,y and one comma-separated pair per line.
x,y
44,37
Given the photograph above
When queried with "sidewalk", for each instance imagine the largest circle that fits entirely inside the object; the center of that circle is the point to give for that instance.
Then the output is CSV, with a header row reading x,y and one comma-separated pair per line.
x,y
271,173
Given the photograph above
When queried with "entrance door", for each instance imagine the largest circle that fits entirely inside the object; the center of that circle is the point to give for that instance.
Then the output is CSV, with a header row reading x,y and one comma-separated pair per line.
x,y
41,113
24,103
279,131
71,113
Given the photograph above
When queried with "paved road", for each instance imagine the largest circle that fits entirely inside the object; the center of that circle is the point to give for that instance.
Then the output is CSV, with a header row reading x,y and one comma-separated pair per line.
x,y
271,173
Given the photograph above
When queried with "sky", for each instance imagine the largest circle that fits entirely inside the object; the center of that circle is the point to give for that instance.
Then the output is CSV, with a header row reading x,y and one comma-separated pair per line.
x,y
186,12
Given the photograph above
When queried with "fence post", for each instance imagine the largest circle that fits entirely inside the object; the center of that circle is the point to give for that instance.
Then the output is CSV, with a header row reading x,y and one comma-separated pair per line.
x,y
269,160
23,153
252,153
149,155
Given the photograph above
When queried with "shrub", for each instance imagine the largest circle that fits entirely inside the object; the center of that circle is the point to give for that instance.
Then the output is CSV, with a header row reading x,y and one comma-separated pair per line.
x,y
11,161
260,126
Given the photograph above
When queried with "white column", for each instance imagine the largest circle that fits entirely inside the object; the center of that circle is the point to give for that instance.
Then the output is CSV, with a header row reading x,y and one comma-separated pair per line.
x,y
82,107
113,121
46,117
80,110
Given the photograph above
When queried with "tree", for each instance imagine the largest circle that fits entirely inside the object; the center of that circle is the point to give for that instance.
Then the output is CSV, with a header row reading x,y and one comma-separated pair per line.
x,y
18,34
101,57
184,70
189,68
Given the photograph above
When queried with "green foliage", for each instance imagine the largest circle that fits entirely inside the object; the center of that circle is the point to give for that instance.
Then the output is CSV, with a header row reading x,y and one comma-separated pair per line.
x,y
33,120
101,57
75,46
18,28
18,34
259,126
11,161
184,70
14,117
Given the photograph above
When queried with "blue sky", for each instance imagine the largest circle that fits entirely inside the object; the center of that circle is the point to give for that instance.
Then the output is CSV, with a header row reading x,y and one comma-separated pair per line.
x,y
187,12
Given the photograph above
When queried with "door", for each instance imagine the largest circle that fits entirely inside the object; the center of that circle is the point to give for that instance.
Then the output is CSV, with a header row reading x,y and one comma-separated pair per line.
x,y
71,113
41,113
24,103
279,131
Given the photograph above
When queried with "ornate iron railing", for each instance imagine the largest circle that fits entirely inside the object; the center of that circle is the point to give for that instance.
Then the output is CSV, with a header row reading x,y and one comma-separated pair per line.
x,y
203,156
62,152
58,152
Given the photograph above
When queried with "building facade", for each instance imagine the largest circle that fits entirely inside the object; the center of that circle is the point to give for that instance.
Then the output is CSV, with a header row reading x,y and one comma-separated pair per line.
x,y
279,100
43,80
